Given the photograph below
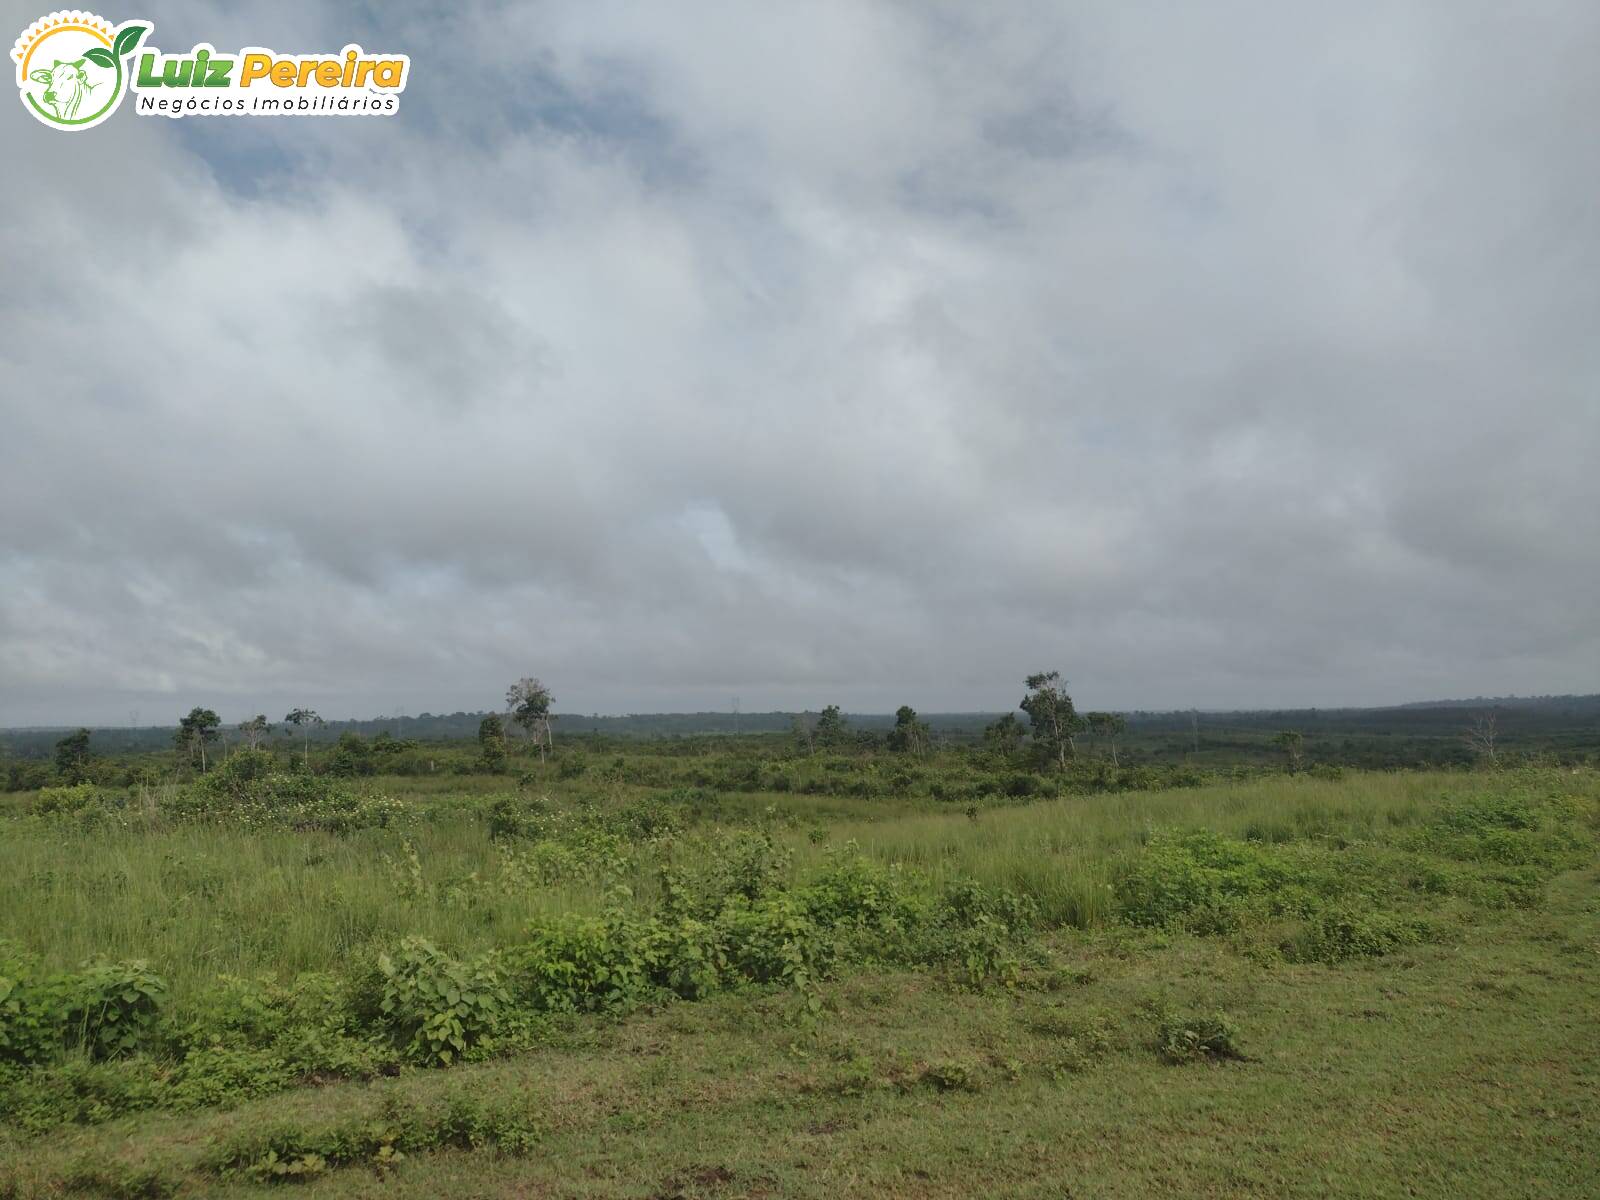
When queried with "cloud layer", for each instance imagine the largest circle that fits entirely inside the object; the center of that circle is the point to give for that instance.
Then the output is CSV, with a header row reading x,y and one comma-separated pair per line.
x,y
843,351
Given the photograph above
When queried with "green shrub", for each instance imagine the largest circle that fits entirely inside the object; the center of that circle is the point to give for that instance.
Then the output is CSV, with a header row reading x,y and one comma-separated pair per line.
x,y
1204,882
248,790
250,1012
221,1076
80,1091
303,1025
109,1008
686,957
124,1181
850,890
1345,932
745,864
649,817
774,940
436,1008
1489,811
573,964
30,1026
1192,1037
1020,786
508,819
52,801
1518,825
977,930
855,1076
951,1075
289,1151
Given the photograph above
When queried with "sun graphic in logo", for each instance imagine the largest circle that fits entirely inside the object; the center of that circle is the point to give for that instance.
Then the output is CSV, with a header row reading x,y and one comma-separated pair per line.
x,y
70,67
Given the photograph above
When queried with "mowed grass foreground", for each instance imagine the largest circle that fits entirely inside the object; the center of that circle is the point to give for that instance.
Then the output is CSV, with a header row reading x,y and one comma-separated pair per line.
x,y
1381,985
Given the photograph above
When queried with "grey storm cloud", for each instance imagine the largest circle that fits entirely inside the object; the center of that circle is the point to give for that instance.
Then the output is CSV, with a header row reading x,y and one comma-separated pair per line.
x,y
860,352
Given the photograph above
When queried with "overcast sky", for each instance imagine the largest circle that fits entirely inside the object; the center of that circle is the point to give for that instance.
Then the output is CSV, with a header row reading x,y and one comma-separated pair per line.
x,y
1215,354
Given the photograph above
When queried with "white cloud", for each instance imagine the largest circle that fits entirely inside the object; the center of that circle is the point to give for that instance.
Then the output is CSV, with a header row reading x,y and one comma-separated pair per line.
x,y
862,352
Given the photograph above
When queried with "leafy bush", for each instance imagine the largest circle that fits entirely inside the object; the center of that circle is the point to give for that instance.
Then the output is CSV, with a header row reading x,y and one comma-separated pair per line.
x,y
53,801
304,1025
1345,932
109,1008
1193,1037
80,1091
577,963
30,1027
123,1180
774,940
951,1075
435,1007
869,905
649,817
248,790
686,957
1203,882
252,1012
1520,824
977,930
749,865
1020,785
290,1151
219,1075
743,864
508,819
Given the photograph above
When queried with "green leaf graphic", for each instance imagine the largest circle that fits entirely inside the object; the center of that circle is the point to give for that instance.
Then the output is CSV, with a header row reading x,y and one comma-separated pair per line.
x,y
100,56
129,38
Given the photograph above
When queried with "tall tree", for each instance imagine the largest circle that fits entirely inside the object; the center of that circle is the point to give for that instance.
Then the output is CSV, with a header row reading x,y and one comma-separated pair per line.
x,y
1482,735
1004,736
830,731
1055,722
304,720
195,732
1108,727
254,730
909,735
528,701
804,737
492,743
72,757
1292,742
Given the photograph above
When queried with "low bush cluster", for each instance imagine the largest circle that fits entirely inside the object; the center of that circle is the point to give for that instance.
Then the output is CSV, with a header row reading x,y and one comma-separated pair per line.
x,y
1518,824
294,1151
1343,932
1343,900
1196,1037
546,845
732,922
1206,883
248,789
106,1009
88,1045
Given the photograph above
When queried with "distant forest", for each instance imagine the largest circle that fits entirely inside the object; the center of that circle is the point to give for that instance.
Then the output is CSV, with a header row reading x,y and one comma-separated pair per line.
x,y
1427,731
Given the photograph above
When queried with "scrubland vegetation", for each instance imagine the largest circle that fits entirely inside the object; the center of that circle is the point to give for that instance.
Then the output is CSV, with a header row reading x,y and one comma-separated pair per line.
x,y
789,965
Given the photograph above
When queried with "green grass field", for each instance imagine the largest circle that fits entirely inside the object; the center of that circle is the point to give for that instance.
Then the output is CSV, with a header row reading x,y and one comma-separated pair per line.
x,y
1386,984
